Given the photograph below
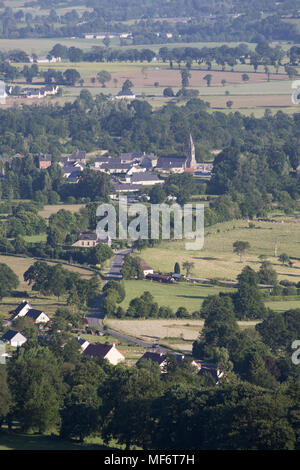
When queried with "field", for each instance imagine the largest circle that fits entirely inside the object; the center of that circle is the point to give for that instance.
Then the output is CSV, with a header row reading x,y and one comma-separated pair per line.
x,y
150,80
177,334
175,296
52,209
49,304
217,260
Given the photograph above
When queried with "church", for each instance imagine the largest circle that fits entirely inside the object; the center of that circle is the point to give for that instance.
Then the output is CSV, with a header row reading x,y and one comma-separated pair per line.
x,y
179,164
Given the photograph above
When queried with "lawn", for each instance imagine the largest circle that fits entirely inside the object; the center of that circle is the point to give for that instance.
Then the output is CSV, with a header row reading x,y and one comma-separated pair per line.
x,y
217,260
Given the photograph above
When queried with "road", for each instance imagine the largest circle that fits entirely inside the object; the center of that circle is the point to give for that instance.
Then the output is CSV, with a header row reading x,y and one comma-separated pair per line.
x,y
114,273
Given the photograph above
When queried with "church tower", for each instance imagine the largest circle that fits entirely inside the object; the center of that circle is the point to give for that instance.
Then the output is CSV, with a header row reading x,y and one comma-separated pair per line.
x,y
191,160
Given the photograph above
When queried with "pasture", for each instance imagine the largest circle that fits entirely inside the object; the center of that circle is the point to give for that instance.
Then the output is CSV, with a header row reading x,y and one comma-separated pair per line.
x,y
217,260
182,294
47,303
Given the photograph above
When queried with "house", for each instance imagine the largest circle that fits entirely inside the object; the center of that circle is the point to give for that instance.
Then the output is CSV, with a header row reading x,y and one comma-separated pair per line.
x,y
146,268
157,357
78,156
22,309
120,187
160,278
131,157
70,167
148,162
91,239
171,164
105,351
14,338
83,343
37,315
125,95
145,179
44,161
211,370
114,166
161,359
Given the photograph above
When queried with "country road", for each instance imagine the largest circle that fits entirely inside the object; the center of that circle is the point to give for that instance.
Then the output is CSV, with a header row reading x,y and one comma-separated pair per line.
x,y
114,273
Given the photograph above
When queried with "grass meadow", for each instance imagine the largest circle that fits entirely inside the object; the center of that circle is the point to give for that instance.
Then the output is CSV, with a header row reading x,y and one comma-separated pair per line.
x,y
217,260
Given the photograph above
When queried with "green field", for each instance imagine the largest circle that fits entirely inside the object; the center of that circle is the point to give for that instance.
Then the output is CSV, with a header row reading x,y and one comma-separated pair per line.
x,y
49,304
179,295
217,260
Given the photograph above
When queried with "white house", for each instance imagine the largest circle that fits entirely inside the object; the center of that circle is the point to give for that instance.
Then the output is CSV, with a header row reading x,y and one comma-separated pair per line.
x,y
38,316
146,268
22,309
83,343
14,338
105,351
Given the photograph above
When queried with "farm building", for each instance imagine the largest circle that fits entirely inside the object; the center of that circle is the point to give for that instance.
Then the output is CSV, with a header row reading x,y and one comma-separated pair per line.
x,y
14,338
105,351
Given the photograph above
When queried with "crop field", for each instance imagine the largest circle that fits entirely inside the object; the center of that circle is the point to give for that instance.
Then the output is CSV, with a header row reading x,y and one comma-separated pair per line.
x,y
52,209
217,260
179,334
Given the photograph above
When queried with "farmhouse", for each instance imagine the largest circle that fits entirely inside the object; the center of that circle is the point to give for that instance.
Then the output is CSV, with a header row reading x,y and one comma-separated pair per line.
x,y
22,309
90,239
38,316
105,351
14,338
146,268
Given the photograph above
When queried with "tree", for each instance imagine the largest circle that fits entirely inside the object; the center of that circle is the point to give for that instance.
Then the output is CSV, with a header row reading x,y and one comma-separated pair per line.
x,y
245,77
103,76
188,266
5,395
267,274
240,247
208,79
177,268
223,82
127,396
127,85
8,280
229,104
71,77
35,380
284,258
248,300
80,413
185,76
168,92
